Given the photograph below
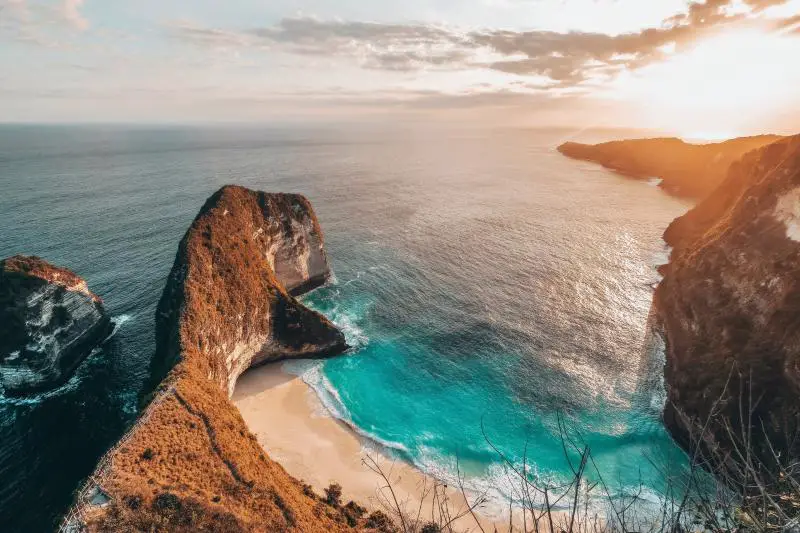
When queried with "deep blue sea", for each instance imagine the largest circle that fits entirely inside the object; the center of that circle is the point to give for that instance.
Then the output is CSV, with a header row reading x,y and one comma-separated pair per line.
x,y
482,278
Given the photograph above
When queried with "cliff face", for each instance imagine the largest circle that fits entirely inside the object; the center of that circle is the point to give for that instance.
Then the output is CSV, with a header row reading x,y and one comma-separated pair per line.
x,y
49,322
190,463
728,307
688,170
228,299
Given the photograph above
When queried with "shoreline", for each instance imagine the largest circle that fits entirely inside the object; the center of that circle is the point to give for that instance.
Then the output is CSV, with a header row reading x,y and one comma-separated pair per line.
x,y
297,431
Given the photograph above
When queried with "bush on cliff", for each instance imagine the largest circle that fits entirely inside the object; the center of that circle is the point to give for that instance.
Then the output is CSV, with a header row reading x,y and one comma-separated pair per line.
x,y
333,495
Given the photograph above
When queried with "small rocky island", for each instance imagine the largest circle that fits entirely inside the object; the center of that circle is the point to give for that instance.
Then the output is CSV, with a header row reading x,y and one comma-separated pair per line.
x,y
49,323
685,170
190,463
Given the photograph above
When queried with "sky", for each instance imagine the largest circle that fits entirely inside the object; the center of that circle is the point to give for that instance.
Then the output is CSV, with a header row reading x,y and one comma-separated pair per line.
x,y
713,67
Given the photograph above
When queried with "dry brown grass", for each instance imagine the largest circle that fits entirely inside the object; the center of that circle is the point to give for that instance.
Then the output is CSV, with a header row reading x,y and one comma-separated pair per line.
x,y
196,448
192,464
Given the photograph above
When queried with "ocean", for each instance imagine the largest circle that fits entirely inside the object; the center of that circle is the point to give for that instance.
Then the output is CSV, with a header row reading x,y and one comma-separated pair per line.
x,y
494,292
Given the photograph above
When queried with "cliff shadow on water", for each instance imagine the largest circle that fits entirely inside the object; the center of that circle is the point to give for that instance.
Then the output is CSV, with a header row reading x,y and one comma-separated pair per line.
x,y
51,439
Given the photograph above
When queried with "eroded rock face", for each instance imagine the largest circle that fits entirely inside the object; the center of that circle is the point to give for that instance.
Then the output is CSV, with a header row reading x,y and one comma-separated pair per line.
x,y
729,307
190,463
688,170
228,299
49,322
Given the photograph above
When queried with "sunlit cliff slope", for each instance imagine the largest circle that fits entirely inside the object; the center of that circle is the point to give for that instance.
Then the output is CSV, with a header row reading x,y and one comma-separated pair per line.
x,y
729,309
687,170
190,463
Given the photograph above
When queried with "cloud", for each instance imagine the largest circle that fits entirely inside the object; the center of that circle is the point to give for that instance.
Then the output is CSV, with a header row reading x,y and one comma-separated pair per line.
x,y
567,59
71,10
209,36
39,23
312,33
571,58
396,47
575,57
790,24
761,5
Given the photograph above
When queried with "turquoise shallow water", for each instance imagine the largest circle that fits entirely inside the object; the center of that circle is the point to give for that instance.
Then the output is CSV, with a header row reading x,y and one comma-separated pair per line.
x,y
497,294
480,276
435,397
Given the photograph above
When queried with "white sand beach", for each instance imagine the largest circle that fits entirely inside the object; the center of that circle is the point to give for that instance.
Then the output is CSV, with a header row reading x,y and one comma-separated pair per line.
x,y
285,414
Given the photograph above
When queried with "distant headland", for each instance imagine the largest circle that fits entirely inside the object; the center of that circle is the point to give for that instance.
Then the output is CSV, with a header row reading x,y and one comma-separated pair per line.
x,y
685,170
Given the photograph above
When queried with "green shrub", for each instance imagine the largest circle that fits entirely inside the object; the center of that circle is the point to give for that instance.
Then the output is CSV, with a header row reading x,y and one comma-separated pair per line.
x,y
353,512
333,495
378,520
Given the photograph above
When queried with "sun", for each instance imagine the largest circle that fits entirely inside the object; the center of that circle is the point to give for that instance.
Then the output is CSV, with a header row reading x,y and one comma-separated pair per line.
x,y
724,84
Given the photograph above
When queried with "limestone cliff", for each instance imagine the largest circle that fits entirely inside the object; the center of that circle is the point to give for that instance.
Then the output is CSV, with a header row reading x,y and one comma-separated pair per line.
x,y
49,322
228,296
190,463
728,306
688,170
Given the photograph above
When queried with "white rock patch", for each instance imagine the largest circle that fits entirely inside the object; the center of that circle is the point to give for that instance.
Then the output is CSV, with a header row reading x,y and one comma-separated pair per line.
x,y
787,210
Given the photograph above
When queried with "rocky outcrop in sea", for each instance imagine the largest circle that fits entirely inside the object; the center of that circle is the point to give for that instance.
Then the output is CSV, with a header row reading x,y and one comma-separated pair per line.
x,y
190,463
228,298
49,323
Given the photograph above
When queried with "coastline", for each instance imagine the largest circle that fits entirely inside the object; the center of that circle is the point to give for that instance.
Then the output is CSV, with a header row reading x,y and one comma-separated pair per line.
x,y
287,417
